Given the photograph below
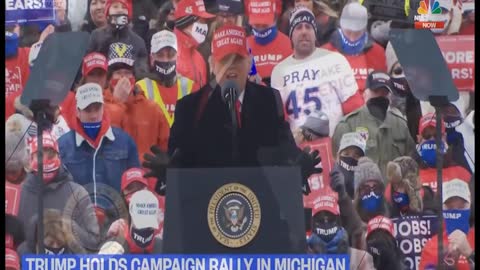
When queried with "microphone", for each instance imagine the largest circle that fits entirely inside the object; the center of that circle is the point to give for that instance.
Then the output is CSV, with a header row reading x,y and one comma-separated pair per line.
x,y
229,91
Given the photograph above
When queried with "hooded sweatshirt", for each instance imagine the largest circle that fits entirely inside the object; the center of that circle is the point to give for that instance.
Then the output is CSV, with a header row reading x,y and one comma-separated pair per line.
x,y
372,58
67,197
101,39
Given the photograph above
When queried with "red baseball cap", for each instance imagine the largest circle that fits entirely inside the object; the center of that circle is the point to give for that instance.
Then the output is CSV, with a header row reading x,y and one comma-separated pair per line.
x,y
11,259
92,61
261,12
192,7
380,222
127,3
229,39
429,120
48,142
133,175
328,202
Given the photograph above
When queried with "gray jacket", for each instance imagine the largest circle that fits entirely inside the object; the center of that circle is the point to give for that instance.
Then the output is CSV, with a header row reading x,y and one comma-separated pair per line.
x,y
101,39
71,199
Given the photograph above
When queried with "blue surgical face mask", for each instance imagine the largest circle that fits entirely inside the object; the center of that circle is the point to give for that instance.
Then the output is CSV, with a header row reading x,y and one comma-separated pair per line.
x,y
401,200
265,36
427,150
11,44
92,129
457,219
350,47
371,202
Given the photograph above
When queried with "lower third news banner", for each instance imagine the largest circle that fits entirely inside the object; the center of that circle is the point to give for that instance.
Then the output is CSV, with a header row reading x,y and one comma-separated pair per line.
x,y
185,262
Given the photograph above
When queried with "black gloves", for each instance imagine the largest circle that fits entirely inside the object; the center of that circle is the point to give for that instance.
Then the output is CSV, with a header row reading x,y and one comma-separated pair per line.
x,y
337,182
307,161
158,164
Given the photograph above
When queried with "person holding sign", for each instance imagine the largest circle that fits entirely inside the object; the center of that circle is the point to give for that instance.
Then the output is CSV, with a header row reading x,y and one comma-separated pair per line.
x,y
458,237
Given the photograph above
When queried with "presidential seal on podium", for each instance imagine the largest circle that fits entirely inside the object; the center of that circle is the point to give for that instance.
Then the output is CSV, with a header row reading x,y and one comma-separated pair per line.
x,y
234,215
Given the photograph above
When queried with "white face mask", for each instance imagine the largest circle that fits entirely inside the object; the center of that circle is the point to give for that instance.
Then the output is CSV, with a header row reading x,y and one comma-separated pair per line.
x,y
199,31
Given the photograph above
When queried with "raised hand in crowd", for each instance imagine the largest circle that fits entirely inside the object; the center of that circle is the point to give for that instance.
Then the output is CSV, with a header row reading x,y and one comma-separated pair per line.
x,y
458,243
122,89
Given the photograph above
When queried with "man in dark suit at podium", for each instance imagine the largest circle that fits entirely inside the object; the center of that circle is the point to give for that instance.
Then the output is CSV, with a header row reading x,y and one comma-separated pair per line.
x,y
201,135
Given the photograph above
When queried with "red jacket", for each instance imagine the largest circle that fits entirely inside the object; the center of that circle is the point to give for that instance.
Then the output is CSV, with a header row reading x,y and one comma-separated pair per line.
x,y
373,58
428,176
268,56
17,71
190,62
429,255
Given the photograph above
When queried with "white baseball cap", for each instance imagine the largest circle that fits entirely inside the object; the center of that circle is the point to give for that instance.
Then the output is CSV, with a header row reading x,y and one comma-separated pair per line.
x,y
456,188
352,139
87,94
144,210
354,17
111,248
163,39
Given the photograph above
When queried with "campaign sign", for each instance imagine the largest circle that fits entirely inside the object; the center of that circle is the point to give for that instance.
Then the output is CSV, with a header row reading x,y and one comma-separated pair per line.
x,y
29,11
12,198
412,233
459,53
319,183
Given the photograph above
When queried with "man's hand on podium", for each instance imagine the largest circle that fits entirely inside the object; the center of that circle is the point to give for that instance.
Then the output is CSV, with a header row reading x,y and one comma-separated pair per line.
x,y
308,160
158,164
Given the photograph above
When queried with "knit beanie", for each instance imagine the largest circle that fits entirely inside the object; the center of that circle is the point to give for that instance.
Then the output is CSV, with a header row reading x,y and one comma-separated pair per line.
x,y
367,170
404,171
299,15
127,3
390,57
16,156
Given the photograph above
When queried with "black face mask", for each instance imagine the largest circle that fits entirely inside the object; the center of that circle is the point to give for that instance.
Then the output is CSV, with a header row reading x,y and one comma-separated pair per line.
x,y
347,165
326,231
118,21
166,71
142,237
54,251
378,107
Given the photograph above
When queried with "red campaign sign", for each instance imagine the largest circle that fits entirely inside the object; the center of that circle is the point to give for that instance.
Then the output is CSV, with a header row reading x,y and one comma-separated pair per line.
x,y
320,183
459,53
12,198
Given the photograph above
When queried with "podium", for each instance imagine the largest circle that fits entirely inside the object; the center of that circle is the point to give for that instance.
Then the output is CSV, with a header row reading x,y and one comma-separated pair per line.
x,y
234,210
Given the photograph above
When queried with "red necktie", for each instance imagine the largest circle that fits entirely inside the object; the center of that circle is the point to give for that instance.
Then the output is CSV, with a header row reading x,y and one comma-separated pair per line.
x,y
238,109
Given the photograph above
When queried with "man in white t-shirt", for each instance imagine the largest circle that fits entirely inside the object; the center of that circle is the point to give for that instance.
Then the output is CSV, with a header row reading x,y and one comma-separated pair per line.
x,y
313,79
